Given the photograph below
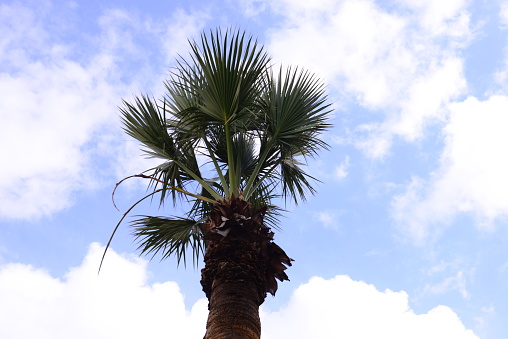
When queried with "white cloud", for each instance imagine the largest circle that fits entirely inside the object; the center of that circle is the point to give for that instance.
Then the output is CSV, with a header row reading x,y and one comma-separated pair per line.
x,y
253,7
51,107
445,266
120,303
401,61
182,27
472,177
329,219
501,76
441,17
116,304
172,36
59,102
49,113
426,98
342,170
503,14
456,282
344,308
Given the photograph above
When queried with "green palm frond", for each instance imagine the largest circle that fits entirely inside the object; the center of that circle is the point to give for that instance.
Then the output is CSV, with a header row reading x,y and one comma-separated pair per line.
x,y
295,113
244,148
181,102
145,122
169,174
295,180
165,236
231,68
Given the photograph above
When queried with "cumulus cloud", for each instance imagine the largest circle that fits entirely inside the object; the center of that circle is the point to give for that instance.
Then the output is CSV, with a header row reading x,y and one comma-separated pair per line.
x,y
116,304
119,303
472,174
401,61
343,308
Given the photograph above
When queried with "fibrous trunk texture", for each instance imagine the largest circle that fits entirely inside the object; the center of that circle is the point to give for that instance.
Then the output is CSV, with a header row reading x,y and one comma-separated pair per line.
x,y
234,281
241,264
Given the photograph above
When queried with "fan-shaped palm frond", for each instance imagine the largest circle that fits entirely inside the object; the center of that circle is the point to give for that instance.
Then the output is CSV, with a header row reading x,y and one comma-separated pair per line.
x,y
295,113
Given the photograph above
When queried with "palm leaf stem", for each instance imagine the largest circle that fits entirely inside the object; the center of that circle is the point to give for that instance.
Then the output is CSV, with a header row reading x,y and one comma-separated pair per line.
x,y
229,147
248,190
197,196
255,187
217,168
200,180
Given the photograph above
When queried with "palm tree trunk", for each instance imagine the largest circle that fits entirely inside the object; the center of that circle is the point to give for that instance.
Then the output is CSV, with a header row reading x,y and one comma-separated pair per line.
x,y
241,264
233,280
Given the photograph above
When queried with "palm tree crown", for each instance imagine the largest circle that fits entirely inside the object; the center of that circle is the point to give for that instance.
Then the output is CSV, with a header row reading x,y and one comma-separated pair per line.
x,y
229,125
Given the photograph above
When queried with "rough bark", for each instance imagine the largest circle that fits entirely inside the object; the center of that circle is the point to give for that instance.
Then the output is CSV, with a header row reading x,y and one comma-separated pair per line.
x,y
233,282
241,264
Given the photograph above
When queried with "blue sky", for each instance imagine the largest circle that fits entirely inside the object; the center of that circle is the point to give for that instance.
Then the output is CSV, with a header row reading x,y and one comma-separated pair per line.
x,y
406,238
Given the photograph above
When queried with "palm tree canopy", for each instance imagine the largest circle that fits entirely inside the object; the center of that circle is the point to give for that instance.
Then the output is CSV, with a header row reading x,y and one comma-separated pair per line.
x,y
229,124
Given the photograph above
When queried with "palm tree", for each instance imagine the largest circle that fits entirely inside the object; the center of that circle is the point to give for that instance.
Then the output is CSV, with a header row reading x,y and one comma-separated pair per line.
x,y
231,134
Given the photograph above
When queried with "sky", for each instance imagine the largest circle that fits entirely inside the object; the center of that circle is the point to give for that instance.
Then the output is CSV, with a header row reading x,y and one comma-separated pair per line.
x,y
407,236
